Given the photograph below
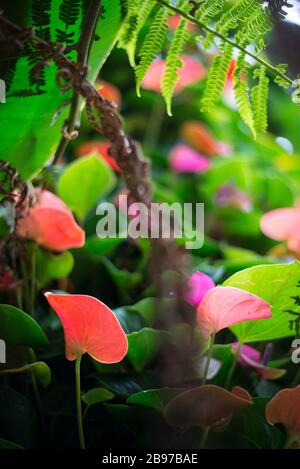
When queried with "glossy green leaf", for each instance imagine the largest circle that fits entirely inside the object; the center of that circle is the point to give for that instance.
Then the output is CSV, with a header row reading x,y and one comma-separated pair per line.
x,y
5,444
96,395
154,398
144,345
40,369
51,266
84,182
279,285
34,114
18,328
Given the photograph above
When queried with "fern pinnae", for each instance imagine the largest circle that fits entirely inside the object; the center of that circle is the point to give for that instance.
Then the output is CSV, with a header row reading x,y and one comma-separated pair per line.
x,y
132,26
216,78
173,62
259,97
152,45
241,92
209,10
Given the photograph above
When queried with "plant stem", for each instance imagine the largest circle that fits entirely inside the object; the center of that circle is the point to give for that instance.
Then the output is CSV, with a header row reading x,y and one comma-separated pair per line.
x,y
83,48
32,359
233,366
78,403
33,279
156,119
208,359
225,39
204,437
296,379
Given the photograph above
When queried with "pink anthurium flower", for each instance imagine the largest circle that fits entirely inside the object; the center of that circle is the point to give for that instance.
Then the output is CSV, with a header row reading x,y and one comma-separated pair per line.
x,y
223,307
199,137
190,72
197,285
184,159
283,224
284,408
50,223
251,358
89,327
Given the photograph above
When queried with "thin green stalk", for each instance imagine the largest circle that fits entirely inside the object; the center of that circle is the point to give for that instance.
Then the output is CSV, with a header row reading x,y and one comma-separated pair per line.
x,y
289,441
78,403
32,359
204,437
25,289
208,359
156,119
226,39
233,366
19,297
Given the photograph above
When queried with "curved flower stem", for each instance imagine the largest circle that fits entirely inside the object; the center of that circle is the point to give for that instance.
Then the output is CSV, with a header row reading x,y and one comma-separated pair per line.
x,y
33,279
204,437
78,403
233,366
209,355
226,39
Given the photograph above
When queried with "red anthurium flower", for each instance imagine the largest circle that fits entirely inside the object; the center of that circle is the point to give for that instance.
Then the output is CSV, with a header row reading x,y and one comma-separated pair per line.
x,y
109,91
197,285
190,72
250,358
89,327
199,137
283,224
50,223
205,406
102,149
284,408
184,159
223,307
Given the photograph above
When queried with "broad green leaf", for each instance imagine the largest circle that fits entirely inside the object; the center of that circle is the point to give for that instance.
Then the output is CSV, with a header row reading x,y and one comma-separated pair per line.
x,y
84,182
154,398
18,328
101,247
34,114
40,369
126,384
5,444
144,345
279,285
130,320
96,395
51,266
148,309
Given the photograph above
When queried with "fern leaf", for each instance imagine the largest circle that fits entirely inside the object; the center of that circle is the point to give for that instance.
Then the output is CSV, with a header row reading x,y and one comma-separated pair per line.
x,y
242,10
133,23
152,45
241,92
216,79
209,10
173,62
259,100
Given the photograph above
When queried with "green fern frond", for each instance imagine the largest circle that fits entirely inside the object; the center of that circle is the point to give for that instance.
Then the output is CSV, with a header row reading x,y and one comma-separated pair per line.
x,y
240,11
209,10
152,45
241,92
133,23
173,62
216,79
259,98
258,25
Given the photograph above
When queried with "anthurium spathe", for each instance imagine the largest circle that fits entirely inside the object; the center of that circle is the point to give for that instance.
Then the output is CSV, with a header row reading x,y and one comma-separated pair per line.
x,y
191,71
222,307
283,224
89,327
50,223
184,159
284,408
198,284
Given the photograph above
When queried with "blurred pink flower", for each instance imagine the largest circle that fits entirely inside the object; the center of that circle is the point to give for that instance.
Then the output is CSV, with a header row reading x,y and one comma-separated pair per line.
x,y
223,307
184,159
190,72
229,196
50,223
173,22
197,285
283,224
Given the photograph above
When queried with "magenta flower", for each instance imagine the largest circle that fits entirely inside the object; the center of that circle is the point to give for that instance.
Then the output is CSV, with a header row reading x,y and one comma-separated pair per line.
x,y
197,285
184,159
250,358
